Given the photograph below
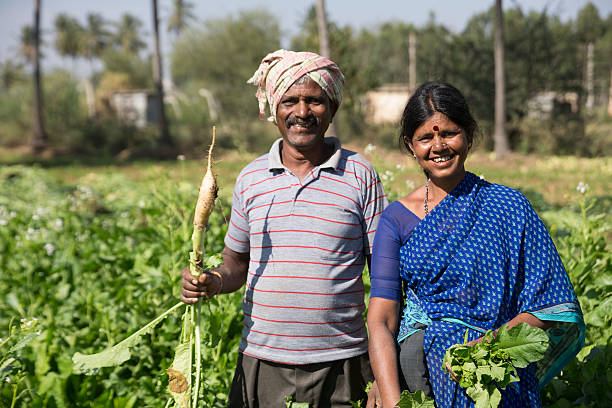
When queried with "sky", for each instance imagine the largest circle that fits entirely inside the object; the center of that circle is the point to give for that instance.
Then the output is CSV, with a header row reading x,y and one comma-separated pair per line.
x,y
453,14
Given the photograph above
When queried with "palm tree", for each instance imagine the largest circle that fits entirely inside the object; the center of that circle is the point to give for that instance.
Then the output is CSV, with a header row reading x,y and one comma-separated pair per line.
x,y
96,36
68,33
27,43
31,48
182,14
127,36
324,45
157,79
500,138
322,24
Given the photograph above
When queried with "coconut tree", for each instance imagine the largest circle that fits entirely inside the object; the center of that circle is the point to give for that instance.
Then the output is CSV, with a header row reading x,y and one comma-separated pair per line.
x,y
30,48
68,33
95,36
500,138
182,15
157,79
128,34
324,45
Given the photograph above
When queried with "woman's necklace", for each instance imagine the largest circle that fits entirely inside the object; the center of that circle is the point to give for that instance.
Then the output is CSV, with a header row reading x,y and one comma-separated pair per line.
x,y
426,197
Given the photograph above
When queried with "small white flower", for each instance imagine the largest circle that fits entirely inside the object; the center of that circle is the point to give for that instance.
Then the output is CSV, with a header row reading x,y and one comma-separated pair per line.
x,y
370,148
482,177
388,175
59,224
125,214
180,157
50,248
399,166
141,204
3,221
36,217
582,187
8,379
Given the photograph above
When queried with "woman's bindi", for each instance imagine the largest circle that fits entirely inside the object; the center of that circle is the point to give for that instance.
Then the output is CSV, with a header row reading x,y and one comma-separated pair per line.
x,y
436,128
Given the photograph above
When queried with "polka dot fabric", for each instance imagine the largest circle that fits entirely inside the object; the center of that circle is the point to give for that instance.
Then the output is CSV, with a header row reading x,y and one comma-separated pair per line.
x,y
481,256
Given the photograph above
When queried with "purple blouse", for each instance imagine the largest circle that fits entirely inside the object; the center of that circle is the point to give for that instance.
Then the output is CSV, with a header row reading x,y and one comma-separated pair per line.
x,y
394,228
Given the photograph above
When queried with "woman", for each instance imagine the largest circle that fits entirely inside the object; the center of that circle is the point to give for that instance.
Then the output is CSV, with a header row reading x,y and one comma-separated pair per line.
x,y
460,254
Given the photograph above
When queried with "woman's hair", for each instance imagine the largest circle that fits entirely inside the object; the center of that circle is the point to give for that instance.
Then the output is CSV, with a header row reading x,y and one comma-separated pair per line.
x,y
434,97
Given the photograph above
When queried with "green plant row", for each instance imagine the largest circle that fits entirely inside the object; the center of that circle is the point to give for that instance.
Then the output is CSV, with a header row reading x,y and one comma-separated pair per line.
x,y
94,259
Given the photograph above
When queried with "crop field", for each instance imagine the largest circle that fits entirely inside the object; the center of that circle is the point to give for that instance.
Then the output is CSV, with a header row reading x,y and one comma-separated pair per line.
x,y
89,254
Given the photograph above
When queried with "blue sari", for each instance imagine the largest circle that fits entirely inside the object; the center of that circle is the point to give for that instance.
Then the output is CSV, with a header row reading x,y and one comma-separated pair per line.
x,y
481,257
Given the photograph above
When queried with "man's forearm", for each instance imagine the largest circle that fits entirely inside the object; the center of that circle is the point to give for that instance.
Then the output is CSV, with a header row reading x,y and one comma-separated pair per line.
x,y
233,270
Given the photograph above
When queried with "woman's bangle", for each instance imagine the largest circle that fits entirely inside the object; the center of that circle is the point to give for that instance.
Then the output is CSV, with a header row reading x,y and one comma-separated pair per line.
x,y
218,274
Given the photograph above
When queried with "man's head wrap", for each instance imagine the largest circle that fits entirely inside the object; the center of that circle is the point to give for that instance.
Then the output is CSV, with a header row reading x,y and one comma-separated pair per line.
x,y
281,69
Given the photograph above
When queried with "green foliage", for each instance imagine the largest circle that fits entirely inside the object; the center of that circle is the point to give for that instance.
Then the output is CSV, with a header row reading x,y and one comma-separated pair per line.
x,y
190,118
137,69
13,382
417,399
92,262
117,354
223,64
490,365
95,258
586,381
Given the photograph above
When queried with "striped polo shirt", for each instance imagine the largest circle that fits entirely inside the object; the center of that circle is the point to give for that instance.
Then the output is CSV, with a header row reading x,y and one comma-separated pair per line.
x,y
304,297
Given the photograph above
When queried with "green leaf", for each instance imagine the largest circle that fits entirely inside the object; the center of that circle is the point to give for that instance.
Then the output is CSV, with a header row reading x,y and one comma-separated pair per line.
x,y
90,363
479,395
179,375
417,399
23,342
524,343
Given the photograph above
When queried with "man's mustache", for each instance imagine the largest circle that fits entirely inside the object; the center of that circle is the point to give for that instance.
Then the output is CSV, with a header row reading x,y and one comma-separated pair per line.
x,y
308,121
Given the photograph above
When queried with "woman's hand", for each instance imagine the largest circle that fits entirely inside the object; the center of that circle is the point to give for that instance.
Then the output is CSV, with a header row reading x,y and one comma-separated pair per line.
x,y
520,318
374,399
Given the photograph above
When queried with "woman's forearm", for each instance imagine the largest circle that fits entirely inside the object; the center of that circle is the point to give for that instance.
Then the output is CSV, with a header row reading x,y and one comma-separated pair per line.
x,y
530,320
520,318
383,358
383,317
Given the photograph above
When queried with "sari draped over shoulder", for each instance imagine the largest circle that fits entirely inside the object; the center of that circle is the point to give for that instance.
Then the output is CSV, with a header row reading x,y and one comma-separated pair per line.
x,y
481,257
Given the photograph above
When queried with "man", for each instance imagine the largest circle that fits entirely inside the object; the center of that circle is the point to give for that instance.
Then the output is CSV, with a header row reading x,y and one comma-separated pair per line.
x,y
302,225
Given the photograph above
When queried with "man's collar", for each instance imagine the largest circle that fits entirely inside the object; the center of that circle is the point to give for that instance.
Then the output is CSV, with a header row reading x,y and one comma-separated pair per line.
x,y
275,162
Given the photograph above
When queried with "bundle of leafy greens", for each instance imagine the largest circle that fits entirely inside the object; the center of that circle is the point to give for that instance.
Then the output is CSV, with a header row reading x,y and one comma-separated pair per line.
x,y
485,368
